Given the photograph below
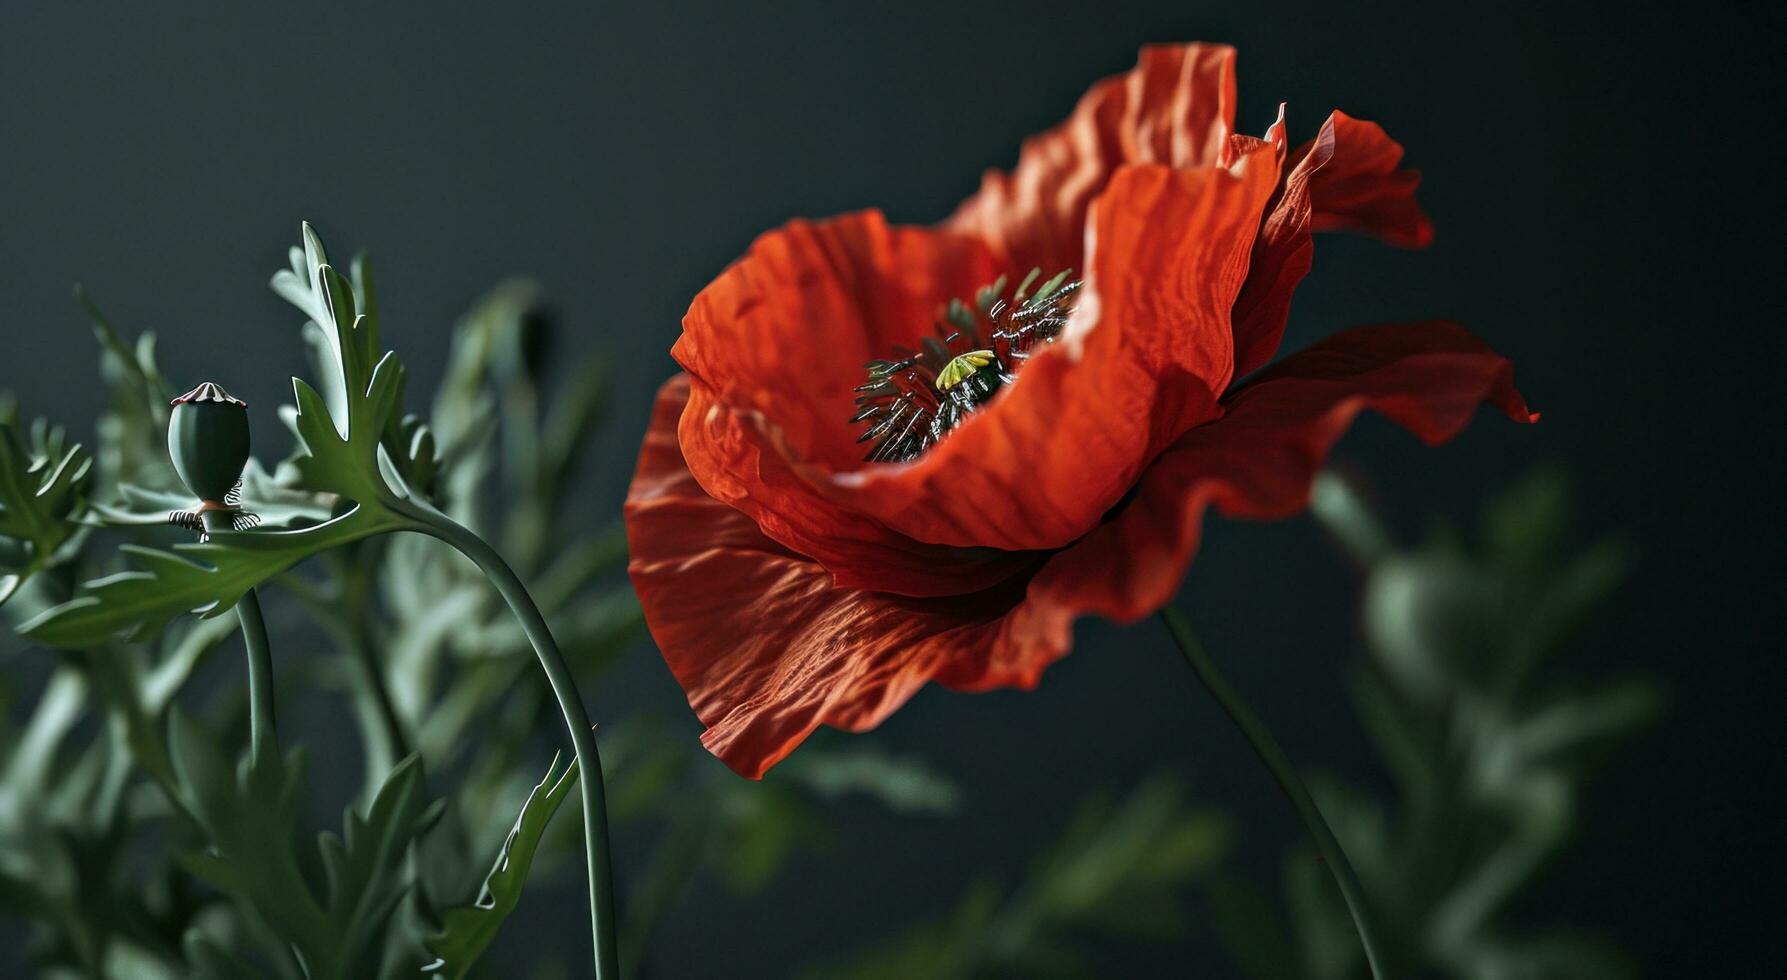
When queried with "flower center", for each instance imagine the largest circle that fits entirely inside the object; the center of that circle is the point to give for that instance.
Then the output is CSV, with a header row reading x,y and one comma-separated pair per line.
x,y
912,401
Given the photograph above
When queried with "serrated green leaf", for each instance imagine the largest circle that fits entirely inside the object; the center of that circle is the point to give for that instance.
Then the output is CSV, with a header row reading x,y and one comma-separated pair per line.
x,y
467,931
132,432
366,295
366,865
341,427
339,454
348,464
39,492
249,814
209,577
277,506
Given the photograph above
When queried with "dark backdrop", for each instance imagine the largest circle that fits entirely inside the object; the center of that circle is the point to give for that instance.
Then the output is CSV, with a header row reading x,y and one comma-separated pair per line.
x,y
1594,173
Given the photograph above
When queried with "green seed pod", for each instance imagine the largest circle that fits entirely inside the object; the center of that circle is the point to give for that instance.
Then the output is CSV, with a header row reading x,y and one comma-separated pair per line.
x,y
208,440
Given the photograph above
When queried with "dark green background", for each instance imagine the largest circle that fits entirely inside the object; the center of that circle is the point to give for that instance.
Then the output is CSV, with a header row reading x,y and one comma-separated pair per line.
x,y
1602,186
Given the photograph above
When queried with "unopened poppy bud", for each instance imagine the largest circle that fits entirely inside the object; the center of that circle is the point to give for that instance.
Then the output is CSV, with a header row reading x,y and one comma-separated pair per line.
x,y
208,441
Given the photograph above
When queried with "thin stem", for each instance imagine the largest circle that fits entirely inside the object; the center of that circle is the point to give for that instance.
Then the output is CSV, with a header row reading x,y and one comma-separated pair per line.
x,y
372,675
263,734
570,704
1266,747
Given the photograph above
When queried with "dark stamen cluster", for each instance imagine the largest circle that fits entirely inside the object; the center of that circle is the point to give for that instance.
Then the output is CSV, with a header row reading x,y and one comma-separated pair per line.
x,y
914,400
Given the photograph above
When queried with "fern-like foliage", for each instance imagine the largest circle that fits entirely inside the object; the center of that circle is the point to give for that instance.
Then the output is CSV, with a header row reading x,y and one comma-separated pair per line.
x,y
41,486
249,814
339,453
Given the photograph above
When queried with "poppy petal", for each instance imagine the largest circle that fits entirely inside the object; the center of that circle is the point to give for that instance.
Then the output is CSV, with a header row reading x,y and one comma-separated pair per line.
x,y
1259,459
1362,189
784,331
1282,255
1344,178
768,649
1143,359
1176,107
775,345
740,461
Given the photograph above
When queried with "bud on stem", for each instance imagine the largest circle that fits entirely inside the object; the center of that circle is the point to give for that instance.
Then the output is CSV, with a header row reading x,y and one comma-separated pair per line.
x,y
208,441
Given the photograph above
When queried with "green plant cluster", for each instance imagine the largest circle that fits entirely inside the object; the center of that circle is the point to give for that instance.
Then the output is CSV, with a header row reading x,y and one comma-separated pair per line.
x,y
140,838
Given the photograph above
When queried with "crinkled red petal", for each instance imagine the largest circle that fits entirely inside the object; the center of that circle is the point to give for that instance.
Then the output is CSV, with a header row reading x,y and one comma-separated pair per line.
x,y
1344,178
1259,459
1363,187
768,648
1144,358
1176,107
776,344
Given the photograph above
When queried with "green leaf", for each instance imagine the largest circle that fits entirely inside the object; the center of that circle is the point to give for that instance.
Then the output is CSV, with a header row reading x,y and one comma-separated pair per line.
x,y
366,867
132,432
207,578
250,815
340,430
344,460
467,931
32,761
1488,750
39,492
339,454
276,505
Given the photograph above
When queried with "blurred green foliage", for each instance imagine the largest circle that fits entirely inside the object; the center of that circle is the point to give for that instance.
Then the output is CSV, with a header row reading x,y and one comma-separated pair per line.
x,y
1122,868
1487,732
41,488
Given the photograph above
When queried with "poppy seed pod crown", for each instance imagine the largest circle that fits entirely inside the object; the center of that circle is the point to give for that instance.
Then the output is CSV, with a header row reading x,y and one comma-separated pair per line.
x,y
208,440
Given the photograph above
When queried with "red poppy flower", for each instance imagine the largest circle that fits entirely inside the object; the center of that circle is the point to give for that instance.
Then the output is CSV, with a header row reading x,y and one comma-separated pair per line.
x,y
1050,452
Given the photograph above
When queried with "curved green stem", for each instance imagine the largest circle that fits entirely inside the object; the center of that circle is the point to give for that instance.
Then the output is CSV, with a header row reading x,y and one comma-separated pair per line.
x,y
1266,747
263,734
263,737
570,704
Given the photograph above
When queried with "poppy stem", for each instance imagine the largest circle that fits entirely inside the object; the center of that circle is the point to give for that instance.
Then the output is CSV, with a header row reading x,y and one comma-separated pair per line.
x,y
1266,747
570,705
263,736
